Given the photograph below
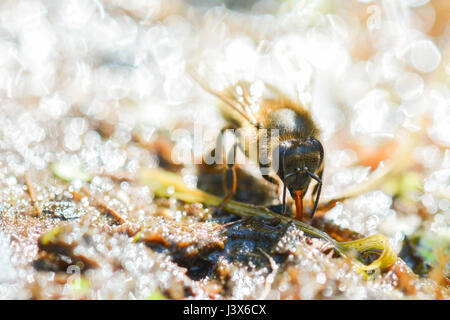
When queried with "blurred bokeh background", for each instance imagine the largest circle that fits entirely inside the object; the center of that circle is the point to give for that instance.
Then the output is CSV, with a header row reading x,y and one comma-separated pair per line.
x,y
374,74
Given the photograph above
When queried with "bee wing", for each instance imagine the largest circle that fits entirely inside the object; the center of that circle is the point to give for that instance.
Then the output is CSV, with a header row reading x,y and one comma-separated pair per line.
x,y
236,98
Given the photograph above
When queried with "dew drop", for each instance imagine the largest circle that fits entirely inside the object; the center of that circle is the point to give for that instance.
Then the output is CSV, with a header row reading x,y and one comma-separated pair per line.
x,y
321,278
409,86
416,3
424,55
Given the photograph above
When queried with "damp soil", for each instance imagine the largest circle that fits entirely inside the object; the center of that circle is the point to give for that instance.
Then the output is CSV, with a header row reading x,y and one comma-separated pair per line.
x,y
111,238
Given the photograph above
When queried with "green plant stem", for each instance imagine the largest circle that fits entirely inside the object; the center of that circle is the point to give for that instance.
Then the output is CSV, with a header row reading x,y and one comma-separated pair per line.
x,y
167,184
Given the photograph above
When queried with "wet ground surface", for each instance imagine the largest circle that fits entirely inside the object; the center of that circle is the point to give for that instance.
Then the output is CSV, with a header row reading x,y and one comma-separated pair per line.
x,y
110,238
103,99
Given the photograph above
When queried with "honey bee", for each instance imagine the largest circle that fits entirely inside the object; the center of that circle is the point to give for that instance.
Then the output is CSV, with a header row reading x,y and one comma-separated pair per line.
x,y
296,147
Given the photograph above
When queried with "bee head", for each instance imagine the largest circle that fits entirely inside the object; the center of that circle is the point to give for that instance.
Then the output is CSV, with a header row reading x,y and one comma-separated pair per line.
x,y
299,160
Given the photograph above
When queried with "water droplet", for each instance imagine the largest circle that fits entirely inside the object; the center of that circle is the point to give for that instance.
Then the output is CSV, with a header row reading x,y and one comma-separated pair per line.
x,y
372,222
342,177
416,3
444,204
409,86
424,55
170,190
430,203
321,278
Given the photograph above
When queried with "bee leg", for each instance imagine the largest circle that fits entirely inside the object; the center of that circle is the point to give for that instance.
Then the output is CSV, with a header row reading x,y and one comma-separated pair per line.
x,y
229,192
274,181
230,167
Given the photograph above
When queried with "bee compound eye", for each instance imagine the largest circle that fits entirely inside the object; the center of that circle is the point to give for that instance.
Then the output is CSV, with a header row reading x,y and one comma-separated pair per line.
x,y
316,143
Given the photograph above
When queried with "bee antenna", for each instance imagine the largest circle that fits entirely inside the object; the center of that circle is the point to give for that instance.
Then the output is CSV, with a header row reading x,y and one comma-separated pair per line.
x,y
319,181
